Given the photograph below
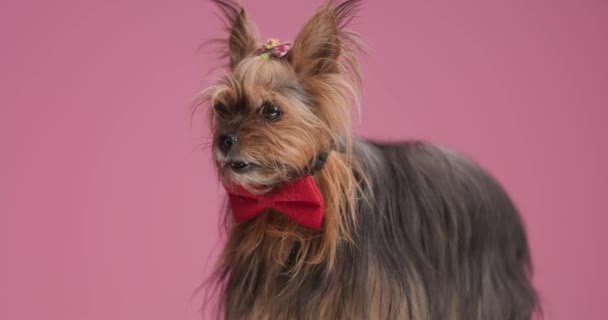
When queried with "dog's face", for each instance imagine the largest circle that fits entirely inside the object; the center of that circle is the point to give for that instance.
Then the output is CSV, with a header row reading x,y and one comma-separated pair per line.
x,y
271,116
265,126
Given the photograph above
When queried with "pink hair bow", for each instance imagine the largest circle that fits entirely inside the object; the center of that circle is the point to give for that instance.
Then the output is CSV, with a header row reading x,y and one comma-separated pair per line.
x,y
274,48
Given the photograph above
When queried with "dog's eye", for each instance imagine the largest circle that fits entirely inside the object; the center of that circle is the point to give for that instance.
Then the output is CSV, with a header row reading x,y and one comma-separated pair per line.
x,y
271,112
220,110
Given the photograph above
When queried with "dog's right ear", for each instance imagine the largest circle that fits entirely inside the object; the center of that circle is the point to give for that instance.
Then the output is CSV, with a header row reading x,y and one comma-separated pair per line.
x,y
242,39
323,41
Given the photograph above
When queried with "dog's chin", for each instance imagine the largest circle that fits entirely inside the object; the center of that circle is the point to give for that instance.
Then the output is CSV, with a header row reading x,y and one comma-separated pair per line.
x,y
252,176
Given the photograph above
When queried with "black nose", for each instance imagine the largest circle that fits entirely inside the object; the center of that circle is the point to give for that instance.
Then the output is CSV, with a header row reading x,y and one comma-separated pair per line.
x,y
226,141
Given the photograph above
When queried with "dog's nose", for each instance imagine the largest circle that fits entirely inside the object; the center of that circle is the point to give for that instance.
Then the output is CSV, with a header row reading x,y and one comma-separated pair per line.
x,y
226,141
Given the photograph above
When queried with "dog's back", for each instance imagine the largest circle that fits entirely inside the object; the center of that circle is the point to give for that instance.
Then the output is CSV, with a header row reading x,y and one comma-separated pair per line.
x,y
442,238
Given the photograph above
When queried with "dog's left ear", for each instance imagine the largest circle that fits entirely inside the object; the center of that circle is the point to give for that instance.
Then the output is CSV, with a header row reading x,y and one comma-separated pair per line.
x,y
323,40
242,40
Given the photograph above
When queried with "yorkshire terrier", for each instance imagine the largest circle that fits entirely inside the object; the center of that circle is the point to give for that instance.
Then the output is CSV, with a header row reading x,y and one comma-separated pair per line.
x,y
322,225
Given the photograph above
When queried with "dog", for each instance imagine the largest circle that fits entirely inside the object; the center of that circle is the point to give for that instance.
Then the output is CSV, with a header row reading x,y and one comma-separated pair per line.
x,y
323,225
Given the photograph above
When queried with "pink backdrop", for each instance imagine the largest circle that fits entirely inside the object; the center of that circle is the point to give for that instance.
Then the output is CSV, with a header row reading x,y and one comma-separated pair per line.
x,y
108,210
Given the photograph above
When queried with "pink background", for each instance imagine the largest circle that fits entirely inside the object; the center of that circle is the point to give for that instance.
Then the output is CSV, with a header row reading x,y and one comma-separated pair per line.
x,y
108,209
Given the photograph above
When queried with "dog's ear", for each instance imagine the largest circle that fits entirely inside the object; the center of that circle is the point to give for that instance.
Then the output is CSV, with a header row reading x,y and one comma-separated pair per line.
x,y
242,39
323,41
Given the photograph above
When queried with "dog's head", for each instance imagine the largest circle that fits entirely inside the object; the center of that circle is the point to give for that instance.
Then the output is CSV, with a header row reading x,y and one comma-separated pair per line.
x,y
276,110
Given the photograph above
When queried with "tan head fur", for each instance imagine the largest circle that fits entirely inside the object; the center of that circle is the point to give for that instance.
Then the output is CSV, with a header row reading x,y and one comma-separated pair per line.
x,y
314,88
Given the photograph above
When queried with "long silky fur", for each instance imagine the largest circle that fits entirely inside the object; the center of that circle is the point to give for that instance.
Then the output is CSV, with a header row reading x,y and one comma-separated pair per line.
x,y
411,230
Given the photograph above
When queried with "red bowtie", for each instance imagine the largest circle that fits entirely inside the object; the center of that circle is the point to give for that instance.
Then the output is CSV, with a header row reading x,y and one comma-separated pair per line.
x,y
299,199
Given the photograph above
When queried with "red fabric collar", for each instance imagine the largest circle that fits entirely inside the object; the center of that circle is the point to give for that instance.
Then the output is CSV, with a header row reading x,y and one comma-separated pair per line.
x,y
299,199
